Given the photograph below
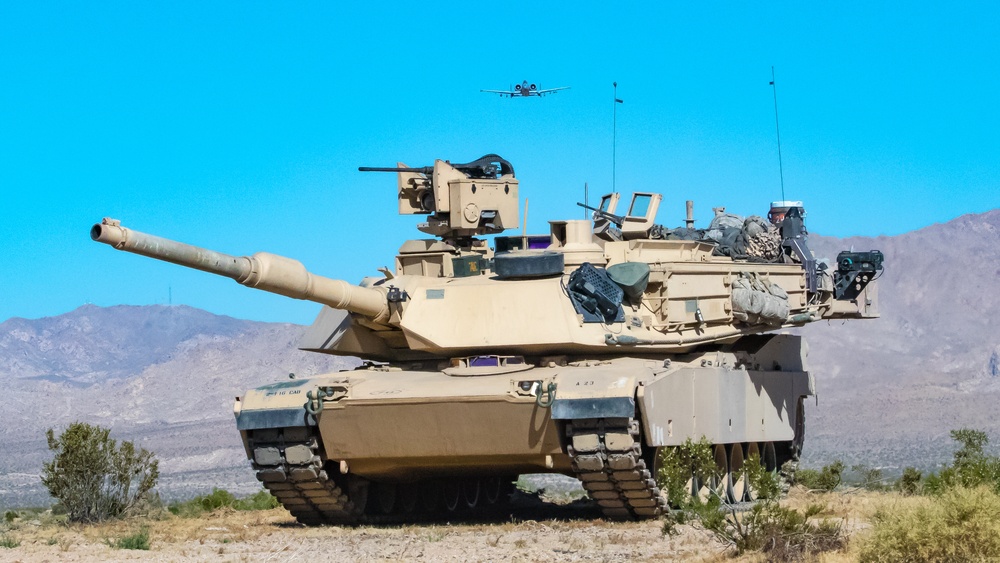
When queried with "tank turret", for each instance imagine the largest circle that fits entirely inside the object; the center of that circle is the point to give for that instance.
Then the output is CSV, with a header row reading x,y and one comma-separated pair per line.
x,y
591,350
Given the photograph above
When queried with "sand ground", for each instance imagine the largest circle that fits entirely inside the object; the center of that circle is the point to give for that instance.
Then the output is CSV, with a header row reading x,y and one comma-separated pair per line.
x,y
560,533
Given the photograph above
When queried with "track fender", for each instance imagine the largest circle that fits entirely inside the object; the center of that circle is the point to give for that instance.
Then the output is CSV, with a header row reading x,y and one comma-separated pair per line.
x,y
595,392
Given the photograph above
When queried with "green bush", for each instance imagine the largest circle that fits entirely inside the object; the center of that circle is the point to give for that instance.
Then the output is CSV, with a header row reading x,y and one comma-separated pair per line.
x,y
93,478
8,541
826,479
261,500
765,483
869,478
220,498
138,540
215,500
677,465
971,467
959,525
909,481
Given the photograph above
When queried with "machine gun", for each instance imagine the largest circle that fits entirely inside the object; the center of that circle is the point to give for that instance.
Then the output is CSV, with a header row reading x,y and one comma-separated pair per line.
x,y
618,220
487,166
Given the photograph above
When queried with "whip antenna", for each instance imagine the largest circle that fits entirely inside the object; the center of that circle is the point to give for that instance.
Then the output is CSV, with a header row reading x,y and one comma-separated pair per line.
x,y
614,134
777,130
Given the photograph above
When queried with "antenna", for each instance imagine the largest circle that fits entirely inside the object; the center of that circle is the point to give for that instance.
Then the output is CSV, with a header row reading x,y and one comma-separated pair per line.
x,y
777,130
524,227
614,135
586,198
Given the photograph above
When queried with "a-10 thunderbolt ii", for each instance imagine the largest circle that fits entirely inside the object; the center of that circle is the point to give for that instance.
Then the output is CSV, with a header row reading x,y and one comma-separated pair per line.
x,y
525,90
587,351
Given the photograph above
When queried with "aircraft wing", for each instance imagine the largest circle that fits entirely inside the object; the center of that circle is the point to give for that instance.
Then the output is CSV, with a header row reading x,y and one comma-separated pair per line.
x,y
548,90
501,92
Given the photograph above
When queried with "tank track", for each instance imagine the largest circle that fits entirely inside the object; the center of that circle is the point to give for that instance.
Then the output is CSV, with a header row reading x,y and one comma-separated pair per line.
x,y
289,464
611,464
607,459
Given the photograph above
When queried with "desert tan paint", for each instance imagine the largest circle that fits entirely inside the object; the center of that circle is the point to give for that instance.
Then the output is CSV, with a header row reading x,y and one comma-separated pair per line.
x,y
427,414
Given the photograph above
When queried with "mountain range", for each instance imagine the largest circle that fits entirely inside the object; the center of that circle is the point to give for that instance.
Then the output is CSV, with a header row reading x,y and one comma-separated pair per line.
x,y
889,389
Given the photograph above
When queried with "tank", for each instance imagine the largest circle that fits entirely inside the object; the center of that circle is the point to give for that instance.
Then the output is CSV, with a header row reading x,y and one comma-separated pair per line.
x,y
586,351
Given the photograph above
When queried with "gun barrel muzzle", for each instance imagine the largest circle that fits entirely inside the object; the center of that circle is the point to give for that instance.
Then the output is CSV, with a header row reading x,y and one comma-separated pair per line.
x,y
112,233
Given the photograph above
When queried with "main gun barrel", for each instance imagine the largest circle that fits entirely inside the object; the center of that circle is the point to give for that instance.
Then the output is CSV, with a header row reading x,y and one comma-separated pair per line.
x,y
263,270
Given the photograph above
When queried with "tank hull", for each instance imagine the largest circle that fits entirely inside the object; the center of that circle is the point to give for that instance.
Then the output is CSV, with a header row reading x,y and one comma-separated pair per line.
x,y
386,426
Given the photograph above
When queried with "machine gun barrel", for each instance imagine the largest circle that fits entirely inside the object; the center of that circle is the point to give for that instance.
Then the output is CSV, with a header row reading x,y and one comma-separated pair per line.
x,y
264,271
618,220
421,170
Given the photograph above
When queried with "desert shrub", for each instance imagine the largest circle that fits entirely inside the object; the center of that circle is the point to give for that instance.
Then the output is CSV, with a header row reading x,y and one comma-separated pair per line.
x,y
870,478
909,481
959,525
93,477
217,499
783,534
677,465
971,467
220,498
9,542
826,479
138,540
765,483
261,500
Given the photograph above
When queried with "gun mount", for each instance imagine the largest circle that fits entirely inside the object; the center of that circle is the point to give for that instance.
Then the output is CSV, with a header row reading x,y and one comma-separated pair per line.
x,y
462,200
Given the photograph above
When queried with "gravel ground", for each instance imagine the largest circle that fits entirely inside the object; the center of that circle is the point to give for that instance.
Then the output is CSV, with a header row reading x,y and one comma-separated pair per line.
x,y
539,528
566,532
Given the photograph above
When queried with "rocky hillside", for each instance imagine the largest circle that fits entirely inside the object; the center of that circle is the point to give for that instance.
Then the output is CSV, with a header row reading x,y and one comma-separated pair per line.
x,y
890,389
163,376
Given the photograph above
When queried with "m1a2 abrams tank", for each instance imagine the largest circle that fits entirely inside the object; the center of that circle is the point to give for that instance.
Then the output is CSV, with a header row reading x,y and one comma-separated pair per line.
x,y
584,352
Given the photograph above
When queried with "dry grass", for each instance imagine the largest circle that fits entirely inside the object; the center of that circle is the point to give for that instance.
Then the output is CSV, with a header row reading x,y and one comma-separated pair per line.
x,y
959,525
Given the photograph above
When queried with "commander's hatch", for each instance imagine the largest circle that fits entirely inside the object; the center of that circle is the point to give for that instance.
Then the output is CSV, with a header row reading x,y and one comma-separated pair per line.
x,y
635,224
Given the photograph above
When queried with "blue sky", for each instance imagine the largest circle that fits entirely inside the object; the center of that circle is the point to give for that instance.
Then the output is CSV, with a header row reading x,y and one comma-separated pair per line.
x,y
240,126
